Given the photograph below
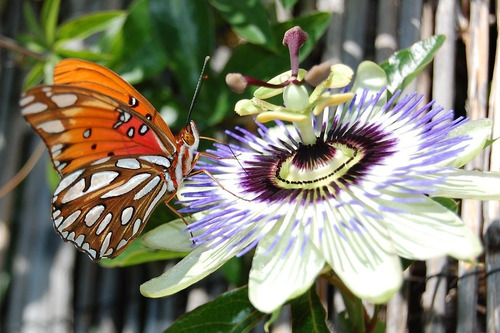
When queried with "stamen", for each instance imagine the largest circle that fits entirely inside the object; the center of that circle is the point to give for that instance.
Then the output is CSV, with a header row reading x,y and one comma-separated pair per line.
x,y
318,74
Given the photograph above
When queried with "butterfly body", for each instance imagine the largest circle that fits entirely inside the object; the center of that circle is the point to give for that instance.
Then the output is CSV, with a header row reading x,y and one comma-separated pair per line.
x,y
116,156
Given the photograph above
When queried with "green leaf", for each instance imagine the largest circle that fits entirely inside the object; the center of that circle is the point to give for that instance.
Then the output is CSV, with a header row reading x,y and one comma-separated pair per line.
x,y
185,32
248,19
137,53
404,65
449,203
53,177
84,54
489,142
230,312
32,22
352,319
34,76
288,4
49,15
308,313
84,26
235,271
137,253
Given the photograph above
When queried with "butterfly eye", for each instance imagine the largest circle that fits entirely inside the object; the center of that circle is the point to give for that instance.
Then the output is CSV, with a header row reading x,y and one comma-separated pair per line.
x,y
188,137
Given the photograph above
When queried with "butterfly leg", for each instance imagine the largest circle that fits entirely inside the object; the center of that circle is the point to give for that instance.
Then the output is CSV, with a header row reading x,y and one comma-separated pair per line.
x,y
175,211
197,172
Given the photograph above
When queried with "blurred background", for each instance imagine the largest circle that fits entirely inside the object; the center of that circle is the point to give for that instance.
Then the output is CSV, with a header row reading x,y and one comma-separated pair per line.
x,y
159,47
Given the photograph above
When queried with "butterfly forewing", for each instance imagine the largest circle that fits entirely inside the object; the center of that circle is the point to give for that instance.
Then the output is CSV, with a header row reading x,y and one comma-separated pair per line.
x,y
103,207
80,126
80,73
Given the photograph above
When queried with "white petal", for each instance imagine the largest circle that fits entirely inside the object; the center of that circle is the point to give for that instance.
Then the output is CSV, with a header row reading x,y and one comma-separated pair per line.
x,y
169,236
463,184
426,230
370,76
285,270
194,267
359,250
478,131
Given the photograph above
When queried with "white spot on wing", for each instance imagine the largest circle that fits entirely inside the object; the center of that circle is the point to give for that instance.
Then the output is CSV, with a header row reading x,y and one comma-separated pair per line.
x,y
97,181
79,240
69,220
74,191
67,181
27,99
122,243
102,160
158,160
58,221
158,197
100,179
91,252
52,126
128,163
34,108
104,223
137,225
127,187
148,188
105,244
124,116
56,150
94,214
61,166
127,215
56,214
64,100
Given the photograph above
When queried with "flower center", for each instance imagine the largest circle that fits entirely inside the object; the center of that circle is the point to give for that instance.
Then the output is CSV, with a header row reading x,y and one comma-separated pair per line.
x,y
338,159
316,165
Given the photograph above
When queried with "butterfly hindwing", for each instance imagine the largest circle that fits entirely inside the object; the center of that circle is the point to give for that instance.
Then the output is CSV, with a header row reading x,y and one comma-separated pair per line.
x,y
103,207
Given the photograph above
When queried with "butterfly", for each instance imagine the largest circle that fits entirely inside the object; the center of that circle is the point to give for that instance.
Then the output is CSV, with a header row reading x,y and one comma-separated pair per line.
x,y
116,156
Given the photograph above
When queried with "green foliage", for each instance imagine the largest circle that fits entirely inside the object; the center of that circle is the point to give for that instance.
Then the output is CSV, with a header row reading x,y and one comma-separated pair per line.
x,y
249,20
404,65
450,204
137,253
53,42
230,312
308,313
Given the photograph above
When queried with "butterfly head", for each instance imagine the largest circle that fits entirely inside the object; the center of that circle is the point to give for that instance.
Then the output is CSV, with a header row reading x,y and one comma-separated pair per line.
x,y
187,143
189,136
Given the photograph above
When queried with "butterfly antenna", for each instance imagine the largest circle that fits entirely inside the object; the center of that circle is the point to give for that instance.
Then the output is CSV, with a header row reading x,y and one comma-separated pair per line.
x,y
197,90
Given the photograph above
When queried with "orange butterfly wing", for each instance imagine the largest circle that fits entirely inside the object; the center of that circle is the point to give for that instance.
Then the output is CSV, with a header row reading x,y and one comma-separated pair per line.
x,y
80,126
86,74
